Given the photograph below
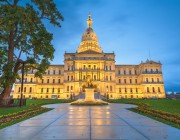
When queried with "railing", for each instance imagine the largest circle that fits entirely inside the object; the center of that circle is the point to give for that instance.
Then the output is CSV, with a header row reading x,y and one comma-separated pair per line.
x,y
151,72
153,82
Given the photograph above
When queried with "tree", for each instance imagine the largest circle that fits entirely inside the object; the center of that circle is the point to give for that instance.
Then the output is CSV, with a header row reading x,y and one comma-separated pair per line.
x,y
23,35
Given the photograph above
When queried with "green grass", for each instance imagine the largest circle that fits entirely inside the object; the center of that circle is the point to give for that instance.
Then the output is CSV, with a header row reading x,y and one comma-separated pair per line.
x,y
171,106
38,102
9,110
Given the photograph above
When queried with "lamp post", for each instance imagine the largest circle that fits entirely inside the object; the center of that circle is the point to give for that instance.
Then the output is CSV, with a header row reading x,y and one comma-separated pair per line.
x,y
22,80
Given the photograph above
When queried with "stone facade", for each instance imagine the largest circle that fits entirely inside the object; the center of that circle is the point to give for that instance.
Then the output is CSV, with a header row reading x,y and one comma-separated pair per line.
x,y
117,81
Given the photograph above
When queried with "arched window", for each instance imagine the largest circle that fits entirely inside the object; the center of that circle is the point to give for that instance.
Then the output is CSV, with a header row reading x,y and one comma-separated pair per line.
x,y
153,89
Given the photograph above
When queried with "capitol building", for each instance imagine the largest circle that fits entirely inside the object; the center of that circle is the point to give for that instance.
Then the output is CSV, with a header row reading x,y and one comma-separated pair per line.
x,y
144,80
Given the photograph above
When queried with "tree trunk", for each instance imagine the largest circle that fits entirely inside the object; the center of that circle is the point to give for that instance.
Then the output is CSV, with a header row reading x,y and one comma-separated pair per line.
x,y
5,96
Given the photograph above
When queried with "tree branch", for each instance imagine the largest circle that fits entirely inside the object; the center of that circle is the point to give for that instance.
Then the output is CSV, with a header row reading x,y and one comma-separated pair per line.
x,y
1,36
17,40
15,2
19,54
8,2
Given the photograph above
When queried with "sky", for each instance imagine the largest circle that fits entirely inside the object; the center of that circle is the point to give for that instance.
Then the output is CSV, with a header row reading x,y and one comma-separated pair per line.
x,y
136,30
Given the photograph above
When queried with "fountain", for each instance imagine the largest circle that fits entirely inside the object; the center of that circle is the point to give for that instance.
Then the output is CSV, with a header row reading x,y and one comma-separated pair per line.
x,y
89,95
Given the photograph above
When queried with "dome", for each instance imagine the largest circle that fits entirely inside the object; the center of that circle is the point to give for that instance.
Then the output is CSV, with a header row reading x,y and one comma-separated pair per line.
x,y
89,41
89,34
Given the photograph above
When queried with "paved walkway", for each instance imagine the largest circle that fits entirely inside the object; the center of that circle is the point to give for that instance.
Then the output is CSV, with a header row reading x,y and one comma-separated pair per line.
x,y
111,122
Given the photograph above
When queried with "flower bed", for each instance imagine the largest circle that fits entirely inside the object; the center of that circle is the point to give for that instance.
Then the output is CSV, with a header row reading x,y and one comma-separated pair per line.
x,y
5,119
159,114
146,109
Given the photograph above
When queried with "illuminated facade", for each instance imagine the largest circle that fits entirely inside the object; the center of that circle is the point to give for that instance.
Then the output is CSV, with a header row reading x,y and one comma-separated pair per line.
x,y
117,81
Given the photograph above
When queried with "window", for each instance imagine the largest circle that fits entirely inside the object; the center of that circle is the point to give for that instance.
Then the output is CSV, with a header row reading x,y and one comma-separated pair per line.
x,y
94,77
156,70
119,90
19,89
125,90
30,89
146,70
54,72
46,96
84,66
53,90
53,80
84,77
106,67
125,81
48,72
31,80
136,81
158,80
68,67
71,87
72,67
42,80
94,66
131,90
130,72
58,90
106,77
32,71
159,90
136,90
59,71
130,80
68,78
119,80
59,81
110,77
135,72
152,80
41,90
47,80
71,78
147,89
119,72
24,89
67,88
47,90
153,89
109,67
124,72
151,70
147,80
110,88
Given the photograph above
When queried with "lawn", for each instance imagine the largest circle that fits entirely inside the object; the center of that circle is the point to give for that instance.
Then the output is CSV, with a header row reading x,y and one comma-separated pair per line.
x,y
9,110
12,115
164,110
171,106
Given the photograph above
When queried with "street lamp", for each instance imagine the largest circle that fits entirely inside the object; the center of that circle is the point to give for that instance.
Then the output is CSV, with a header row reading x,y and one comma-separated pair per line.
x,y
22,80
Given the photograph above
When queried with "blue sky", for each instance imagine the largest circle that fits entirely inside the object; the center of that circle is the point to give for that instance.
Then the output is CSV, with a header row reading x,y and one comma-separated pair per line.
x,y
130,28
